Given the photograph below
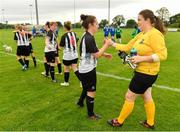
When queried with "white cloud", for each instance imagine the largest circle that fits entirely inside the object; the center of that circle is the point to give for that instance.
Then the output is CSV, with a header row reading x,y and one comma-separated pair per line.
x,y
62,10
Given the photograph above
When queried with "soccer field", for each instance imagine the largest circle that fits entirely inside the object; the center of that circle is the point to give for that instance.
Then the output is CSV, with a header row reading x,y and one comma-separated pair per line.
x,y
29,101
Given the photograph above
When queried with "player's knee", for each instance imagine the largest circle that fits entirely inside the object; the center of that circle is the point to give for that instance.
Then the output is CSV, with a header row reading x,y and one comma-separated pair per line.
x,y
57,60
26,57
45,60
147,97
74,67
66,68
52,64
18,57
130,96
91,94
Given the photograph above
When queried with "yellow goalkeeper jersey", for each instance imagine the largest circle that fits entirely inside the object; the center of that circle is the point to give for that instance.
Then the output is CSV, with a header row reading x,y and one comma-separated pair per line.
x,y
146,44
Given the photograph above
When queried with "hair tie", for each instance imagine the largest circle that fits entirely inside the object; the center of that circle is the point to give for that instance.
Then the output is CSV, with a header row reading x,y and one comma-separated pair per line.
x,y
155,18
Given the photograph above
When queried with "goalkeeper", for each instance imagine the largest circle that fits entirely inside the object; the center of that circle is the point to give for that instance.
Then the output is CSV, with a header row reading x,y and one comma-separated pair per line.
x,y
151,49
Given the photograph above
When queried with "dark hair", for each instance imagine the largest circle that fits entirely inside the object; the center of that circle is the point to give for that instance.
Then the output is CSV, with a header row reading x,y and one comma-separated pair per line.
x,y
47,24
67,25
86,20
158,24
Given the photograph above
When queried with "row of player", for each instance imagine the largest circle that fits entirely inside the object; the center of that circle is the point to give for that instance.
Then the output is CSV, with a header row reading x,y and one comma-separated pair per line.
x,y
118,32
150,47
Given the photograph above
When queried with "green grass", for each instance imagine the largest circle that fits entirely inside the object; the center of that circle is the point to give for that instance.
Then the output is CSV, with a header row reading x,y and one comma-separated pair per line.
x,y
29,101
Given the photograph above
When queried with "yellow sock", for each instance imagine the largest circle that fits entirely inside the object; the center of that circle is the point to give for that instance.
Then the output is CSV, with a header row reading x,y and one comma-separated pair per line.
x,y
126,111
150,112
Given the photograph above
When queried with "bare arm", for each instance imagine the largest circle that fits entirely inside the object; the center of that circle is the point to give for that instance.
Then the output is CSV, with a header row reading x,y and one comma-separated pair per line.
x,y
101,51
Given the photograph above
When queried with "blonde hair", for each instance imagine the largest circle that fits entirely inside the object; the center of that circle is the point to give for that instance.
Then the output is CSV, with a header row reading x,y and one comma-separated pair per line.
x,y
52,23
18,27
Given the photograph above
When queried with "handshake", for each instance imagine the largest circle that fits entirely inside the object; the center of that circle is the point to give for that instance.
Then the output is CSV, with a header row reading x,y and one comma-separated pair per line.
x,y
108,42
126,59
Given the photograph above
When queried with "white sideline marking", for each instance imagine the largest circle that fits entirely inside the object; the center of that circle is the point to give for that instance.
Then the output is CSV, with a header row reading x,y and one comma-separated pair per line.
x,y
128,79
117,77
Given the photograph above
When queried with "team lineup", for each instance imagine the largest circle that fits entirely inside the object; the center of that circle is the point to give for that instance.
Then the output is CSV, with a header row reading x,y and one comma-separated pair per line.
x,y
143,54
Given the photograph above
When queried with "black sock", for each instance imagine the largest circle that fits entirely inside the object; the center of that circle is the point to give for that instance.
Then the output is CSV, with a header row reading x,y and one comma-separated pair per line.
x,y
59,67
90,105
52,72
34,60
77,74
82,97
27,63
66,76
21,62
46,66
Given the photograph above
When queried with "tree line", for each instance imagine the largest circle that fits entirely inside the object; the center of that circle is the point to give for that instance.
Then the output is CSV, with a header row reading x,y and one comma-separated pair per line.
x,y
119,20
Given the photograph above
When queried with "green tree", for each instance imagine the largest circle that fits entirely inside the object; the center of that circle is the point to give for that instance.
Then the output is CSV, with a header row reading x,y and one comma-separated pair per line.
x,y
118,20
131,23
59,24
103,23
163,14
175,21
76,25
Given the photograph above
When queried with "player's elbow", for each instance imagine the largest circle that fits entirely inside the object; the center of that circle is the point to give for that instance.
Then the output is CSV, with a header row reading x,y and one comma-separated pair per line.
x,y
97,55
163,57
160,55
164,54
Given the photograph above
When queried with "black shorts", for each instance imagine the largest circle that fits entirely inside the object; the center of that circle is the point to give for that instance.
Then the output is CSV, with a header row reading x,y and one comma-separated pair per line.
x,y
30,48
89,80
26,51
19,51
56,54
22,51
141,82
50,56
70,62
118,36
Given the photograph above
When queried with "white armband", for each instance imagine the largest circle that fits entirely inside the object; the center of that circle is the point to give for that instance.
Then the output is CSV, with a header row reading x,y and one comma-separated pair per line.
x,y
155,58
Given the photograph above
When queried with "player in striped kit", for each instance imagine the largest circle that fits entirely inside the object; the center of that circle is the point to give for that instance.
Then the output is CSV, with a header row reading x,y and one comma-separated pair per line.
x,y
22,39
30,45
46,65
70,55
51,49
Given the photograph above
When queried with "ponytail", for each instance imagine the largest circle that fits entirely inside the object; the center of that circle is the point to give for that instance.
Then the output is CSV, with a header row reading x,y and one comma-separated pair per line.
x,y
158,24
155,21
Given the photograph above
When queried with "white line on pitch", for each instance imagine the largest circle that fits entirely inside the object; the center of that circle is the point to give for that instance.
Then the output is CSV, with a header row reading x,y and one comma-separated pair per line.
x,y
116,77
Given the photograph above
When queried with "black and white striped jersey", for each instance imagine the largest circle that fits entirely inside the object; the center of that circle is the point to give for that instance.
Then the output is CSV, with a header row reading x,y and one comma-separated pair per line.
x,y
87,48
51,45
22,40
69,43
